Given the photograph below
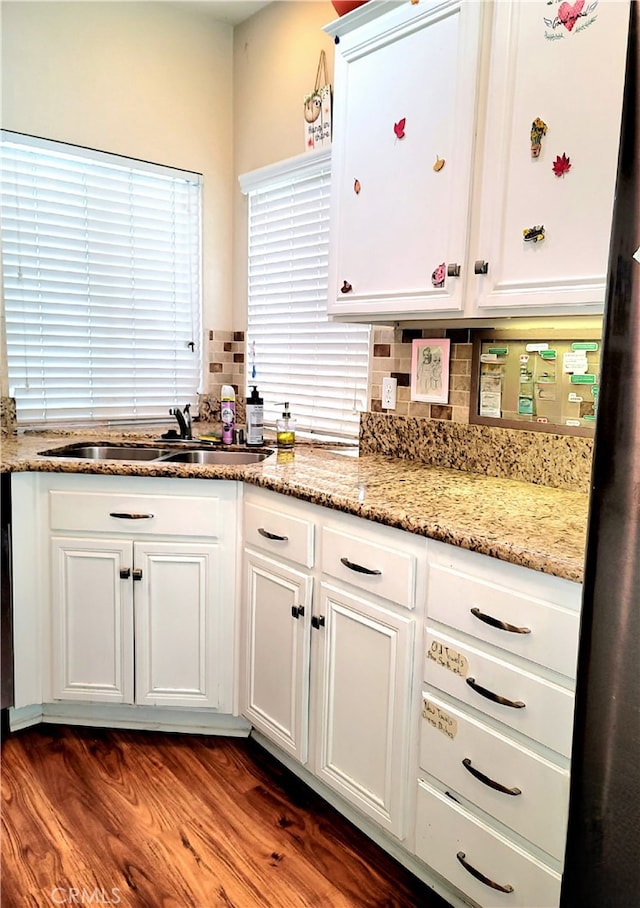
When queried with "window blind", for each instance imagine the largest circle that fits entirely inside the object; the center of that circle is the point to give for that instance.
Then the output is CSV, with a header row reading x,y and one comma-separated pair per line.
x,y
101,265
295,354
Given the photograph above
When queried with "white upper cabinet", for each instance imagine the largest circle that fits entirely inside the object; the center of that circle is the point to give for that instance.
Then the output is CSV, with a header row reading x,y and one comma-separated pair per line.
x,y
415,84
569,73
405,98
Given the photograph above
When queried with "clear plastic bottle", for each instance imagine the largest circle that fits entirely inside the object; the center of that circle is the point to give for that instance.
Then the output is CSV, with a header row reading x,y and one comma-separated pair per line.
x,y
255,418
286,430
228,413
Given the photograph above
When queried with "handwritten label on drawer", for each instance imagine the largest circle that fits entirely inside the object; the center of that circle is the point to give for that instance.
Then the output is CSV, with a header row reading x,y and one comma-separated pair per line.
x,y
439,719
448,658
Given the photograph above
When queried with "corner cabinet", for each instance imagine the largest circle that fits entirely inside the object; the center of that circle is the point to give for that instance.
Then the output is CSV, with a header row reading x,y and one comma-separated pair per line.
x,y
404,111
462,213
137,579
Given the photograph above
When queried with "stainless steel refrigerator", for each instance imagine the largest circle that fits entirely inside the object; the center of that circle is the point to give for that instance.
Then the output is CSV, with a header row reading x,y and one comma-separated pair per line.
x,y
602,866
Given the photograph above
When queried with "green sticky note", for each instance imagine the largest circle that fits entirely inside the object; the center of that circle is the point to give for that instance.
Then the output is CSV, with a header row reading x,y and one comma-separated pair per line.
x,y
589,418
585,345
499,351
583,379
548,354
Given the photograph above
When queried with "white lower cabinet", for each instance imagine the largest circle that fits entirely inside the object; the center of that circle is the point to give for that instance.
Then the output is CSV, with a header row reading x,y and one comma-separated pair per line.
x,y
476,859
365,656
278,613
500,647
329,660
136,590
108,593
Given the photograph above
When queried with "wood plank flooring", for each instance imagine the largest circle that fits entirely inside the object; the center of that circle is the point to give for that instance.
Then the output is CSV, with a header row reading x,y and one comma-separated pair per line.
x,y
150,820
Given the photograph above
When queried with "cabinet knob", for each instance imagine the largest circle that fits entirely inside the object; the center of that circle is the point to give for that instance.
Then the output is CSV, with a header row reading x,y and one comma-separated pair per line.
x,y
481,267
125,573
317,621
297,611
137,573
453,270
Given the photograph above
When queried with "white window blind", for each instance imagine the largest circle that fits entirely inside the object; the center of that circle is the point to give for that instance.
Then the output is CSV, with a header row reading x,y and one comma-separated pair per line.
x,y
101,265
319,367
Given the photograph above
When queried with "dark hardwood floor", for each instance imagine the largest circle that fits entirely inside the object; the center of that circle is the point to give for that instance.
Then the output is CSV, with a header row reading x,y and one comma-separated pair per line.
x,y
150,820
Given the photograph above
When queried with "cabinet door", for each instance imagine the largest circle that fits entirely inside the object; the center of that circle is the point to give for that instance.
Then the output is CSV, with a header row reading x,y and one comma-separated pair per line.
x,y
571,76
92,620
417,64
363,698
176,622
277,612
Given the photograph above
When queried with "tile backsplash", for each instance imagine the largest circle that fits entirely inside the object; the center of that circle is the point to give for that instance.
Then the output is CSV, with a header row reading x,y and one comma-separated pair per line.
x,y
391,355
225,366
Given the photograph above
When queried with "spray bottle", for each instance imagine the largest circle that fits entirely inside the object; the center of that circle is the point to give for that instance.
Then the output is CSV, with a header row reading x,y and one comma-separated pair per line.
x,y
228,413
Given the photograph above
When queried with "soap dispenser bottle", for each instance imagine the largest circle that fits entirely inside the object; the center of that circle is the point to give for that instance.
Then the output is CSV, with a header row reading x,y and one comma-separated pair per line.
x,y
286,429
255,418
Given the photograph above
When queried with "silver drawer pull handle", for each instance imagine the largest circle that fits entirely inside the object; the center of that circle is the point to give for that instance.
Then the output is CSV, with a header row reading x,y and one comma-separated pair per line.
x,y
489,694
268,535
487,781
480,876
359,568
496,622
123,515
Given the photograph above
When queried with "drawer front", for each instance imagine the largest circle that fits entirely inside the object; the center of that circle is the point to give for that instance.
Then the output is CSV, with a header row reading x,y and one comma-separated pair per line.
x,y
531,628
460,670
445,830
380,569
98,512
521,789
279,533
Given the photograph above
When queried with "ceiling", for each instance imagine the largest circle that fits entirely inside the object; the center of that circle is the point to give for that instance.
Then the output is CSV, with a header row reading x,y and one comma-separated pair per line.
x,y
231,11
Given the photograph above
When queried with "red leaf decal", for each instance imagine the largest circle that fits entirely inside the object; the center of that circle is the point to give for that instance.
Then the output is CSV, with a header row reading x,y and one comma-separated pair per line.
x,y
398,128
561,165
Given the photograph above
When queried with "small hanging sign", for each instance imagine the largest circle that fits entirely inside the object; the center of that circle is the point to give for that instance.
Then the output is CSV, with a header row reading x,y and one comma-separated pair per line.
x,y
317,110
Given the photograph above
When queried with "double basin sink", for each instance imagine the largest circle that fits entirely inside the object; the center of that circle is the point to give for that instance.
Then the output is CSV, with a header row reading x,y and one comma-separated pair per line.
x,y
153,454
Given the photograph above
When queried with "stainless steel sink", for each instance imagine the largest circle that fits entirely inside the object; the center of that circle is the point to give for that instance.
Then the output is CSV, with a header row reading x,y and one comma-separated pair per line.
x,y
219,458
107,452
152,454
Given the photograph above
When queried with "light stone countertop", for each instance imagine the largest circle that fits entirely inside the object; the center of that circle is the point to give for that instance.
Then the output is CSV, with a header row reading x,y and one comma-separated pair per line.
x,y
535,526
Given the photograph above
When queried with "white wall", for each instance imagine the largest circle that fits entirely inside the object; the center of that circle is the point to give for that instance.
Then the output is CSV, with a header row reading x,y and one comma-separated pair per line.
x,y
151,80
274,66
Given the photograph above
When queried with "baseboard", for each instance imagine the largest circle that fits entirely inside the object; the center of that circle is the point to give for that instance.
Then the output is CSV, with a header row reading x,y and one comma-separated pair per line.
x,y
143,718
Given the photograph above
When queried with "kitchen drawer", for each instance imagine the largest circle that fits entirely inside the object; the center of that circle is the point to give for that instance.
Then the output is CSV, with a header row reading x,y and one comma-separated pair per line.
x,y
532,628
455,667
171,515
447,834
279,533
378,568
537,797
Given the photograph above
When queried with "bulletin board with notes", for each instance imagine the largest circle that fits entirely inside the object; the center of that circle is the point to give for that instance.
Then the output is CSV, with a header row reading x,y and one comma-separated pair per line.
x,y
525,380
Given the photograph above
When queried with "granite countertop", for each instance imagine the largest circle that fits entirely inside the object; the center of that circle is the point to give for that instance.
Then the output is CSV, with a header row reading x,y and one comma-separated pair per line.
x,y
535,526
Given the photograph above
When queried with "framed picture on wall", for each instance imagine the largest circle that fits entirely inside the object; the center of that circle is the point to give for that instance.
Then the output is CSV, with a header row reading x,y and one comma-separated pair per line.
x,y
430,370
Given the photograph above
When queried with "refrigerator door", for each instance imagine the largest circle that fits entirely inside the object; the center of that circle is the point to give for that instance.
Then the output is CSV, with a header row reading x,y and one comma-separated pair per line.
x,y
602,866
